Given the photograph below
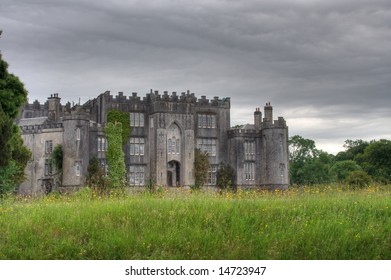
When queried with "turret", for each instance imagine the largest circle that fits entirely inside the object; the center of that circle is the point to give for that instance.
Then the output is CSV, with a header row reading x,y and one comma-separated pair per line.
x,y
75,148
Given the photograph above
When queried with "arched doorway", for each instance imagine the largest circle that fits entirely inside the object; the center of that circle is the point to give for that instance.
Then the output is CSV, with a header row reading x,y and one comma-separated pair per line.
x,y
173,173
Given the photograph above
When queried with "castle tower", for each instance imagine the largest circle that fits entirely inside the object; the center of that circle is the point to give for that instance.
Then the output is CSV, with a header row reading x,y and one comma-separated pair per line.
x,y
274,152
75,149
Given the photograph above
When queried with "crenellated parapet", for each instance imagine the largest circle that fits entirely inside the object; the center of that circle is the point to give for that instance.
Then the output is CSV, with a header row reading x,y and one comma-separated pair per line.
x,y
238,132
32,129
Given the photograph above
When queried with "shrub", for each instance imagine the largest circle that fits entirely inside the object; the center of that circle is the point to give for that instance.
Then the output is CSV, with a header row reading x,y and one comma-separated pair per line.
x,y
358,179
201,167
225,176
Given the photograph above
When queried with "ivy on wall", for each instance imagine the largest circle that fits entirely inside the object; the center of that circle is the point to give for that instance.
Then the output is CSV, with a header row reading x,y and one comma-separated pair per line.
x,y
114,116
115,156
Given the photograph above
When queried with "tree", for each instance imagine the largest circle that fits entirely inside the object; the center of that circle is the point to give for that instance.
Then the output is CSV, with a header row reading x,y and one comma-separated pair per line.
x,y
225,176
376,160
352,149
201,167
13,154
308,165
56,158
96,176
341,169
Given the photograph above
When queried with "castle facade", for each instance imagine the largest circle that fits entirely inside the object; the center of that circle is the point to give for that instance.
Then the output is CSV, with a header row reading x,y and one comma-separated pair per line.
x,y
165,131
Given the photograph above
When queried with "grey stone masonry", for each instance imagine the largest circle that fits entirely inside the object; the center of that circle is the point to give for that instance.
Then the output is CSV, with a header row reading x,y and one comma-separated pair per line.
x,y
166,130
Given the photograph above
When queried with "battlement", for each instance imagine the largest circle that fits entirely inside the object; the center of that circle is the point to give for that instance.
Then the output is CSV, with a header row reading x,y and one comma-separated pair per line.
x,y
239,132
30,129
174,97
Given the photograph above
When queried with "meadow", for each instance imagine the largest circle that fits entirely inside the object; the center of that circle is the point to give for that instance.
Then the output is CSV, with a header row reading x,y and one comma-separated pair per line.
x,y
324,222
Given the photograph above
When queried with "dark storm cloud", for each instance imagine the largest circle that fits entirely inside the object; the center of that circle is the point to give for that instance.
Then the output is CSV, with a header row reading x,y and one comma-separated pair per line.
x,y
325,65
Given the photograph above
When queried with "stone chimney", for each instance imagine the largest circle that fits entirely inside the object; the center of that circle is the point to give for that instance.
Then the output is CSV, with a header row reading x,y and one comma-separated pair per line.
x,y
54,107
257,118
268,113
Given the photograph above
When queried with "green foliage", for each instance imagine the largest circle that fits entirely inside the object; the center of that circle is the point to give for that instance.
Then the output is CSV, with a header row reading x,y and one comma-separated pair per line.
x,y
225,176
6,125
10,177
358,179
376,160
96,177
150,185
341,169
56,157
201,168
114,116
115,156
353,148
13,154
12,92
308,165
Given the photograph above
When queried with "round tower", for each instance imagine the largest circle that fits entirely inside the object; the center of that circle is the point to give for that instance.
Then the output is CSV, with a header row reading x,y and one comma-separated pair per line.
x,y
75,149
274,152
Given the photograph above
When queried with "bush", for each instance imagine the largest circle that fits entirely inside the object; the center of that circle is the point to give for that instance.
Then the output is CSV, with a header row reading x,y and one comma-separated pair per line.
x,y
225,176
358,179
201,168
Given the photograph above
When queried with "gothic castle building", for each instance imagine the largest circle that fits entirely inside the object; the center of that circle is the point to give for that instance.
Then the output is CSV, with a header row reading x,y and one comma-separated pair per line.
x,y
165,131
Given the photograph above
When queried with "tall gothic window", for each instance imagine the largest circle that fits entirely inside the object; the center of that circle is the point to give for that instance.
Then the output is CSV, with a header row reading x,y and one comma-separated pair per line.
x,y
77,168
48,146
102,144
136,175
78,134
207,145
249,150
212,175
48,167
136,146
249,171
136,119
173,140
206,121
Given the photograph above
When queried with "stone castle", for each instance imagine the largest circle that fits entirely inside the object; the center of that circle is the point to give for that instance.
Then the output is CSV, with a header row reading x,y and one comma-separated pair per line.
x,y
165,131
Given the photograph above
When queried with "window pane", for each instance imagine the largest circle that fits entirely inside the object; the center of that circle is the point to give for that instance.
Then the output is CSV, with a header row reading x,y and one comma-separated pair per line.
x,y
99,144
131,149
177,146
141,120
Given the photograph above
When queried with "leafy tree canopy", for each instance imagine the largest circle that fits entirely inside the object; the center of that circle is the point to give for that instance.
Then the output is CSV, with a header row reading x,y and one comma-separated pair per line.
x,y
13,154
13,95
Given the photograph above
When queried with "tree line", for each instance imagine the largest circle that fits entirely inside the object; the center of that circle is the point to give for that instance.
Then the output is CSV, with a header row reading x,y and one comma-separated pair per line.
x,y
361,163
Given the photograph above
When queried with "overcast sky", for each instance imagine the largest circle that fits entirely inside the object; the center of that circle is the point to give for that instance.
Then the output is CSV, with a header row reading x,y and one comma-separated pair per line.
x,y
325,65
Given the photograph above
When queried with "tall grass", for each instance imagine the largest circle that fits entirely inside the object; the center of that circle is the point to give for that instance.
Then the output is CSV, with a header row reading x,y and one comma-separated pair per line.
x,y
306,223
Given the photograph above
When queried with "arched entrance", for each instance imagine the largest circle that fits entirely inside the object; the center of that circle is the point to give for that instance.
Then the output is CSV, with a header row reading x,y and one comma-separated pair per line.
x,y
173,173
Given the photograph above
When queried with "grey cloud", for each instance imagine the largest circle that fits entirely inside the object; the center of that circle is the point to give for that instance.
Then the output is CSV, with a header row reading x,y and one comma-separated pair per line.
x,y
329,55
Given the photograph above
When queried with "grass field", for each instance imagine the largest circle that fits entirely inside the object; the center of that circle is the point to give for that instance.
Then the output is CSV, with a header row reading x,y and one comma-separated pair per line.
x,y
306,223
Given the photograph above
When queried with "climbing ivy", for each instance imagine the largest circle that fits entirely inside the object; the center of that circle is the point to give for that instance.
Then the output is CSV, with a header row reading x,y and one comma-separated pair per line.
x,y
114,116
115,156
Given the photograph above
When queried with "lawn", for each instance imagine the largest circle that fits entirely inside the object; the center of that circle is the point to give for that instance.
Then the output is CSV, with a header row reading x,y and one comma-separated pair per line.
x,y
326,222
